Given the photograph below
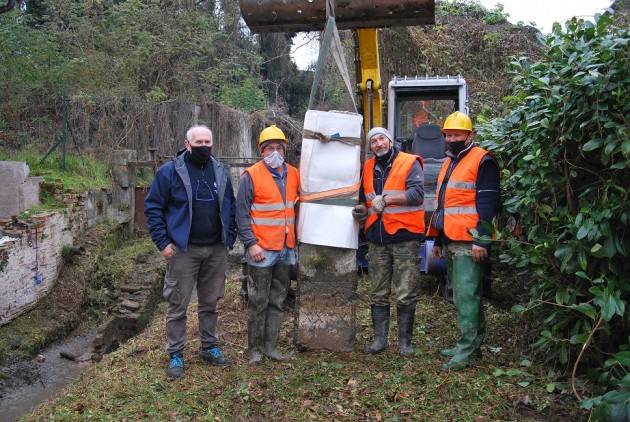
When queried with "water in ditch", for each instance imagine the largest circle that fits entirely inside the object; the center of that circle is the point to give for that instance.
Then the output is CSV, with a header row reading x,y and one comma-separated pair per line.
x,y
26,384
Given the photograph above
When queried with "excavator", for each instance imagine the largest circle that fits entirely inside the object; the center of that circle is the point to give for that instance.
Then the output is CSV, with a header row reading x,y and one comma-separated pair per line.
x,y
415,106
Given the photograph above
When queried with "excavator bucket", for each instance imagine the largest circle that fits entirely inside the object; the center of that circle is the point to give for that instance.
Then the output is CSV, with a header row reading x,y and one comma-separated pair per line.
x,y
310,15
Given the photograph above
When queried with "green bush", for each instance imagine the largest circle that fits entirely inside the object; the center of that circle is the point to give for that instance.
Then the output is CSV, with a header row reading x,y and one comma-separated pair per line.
x,y
565,150
245,96
472,9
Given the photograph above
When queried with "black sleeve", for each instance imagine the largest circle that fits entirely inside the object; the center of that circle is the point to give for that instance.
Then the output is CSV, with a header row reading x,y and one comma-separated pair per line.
x,y
488,197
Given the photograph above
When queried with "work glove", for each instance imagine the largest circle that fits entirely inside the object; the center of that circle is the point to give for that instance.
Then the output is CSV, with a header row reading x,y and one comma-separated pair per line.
x,y
378,203
359,212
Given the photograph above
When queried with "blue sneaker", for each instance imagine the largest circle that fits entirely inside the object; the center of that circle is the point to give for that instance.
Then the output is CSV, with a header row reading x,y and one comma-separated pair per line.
x,y
175,366
214,356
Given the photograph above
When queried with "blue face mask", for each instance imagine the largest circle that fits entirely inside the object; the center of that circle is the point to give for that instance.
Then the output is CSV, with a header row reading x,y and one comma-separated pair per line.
x,y
274,160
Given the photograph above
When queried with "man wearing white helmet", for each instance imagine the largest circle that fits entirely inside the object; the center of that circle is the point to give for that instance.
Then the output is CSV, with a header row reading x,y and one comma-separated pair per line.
x,y
392,196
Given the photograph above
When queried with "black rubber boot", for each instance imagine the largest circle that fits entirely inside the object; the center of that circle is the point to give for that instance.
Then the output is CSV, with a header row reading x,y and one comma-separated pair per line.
x,y
380,322
406,316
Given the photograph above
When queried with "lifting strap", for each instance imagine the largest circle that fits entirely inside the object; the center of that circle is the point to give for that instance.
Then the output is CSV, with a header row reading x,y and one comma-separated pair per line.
x,y
330,41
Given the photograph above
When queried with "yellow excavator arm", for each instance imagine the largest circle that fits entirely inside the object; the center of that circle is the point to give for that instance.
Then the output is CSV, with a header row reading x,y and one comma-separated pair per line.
x,y
364,16
369,78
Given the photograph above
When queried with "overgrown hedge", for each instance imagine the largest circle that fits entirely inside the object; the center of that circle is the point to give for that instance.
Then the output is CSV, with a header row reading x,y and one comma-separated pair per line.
x,y
565,151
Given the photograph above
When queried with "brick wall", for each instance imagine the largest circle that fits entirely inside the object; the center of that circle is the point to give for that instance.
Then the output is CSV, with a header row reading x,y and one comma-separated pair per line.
x,y
30,260
31,250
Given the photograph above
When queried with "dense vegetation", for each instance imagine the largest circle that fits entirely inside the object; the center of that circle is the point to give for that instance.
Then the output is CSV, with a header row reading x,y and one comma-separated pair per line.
x,y
563,138
566,156
153,50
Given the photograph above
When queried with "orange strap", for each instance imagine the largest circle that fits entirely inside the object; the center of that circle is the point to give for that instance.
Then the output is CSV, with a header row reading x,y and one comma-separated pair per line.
x,y
332,193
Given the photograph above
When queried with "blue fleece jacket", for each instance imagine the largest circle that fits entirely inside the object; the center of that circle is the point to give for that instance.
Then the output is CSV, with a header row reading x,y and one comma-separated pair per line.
x,y
168,206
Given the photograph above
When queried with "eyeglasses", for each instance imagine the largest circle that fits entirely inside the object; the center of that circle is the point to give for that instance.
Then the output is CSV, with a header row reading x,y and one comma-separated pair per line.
x,y
271,148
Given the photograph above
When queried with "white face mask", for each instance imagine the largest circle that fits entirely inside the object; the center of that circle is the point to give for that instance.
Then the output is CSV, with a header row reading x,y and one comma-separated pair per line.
x,y
274,160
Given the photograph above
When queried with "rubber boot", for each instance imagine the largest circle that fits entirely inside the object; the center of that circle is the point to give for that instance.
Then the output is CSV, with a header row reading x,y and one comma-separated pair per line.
x,y
449,352
275,310
258,298
467,276
406,315
244,279
380,322
272,329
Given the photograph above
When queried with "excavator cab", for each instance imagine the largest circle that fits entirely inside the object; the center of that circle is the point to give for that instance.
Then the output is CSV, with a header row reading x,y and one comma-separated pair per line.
x,y
417,108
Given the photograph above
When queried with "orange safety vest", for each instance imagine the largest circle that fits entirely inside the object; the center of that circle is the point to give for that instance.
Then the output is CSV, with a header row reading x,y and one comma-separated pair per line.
x,y
460,205
395,217
272,219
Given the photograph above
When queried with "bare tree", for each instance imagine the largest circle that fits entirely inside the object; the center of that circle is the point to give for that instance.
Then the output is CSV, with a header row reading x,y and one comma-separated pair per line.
x,y
8,7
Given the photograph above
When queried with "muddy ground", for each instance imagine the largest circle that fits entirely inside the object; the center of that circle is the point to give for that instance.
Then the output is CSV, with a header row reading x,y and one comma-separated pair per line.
x,y
508,383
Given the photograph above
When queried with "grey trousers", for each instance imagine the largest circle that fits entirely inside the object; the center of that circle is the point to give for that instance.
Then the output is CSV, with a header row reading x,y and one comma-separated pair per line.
x,y
201,266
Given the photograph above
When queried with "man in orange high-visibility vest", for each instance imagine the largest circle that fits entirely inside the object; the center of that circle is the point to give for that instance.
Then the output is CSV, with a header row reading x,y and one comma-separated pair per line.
x,y
392,196
265,215
467,202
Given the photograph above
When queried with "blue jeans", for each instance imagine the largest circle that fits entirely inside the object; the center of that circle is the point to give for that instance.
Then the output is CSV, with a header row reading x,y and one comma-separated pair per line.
x,y
286,256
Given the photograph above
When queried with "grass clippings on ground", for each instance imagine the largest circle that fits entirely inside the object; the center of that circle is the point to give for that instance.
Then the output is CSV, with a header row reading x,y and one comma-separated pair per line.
x,y
130,384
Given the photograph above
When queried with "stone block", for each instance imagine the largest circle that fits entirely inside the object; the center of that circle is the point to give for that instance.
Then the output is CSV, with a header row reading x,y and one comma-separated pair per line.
x,y
325,314
18,191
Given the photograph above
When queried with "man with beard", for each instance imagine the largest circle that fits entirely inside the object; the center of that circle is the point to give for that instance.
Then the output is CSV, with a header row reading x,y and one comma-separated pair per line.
x,y
392,196
468,201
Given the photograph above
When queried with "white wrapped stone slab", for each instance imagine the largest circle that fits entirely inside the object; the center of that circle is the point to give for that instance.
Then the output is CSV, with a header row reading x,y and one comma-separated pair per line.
x,y
328,225
330,165
327,170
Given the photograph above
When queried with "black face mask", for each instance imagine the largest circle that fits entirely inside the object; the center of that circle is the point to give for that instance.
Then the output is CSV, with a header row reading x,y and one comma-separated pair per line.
x,y
200,155
456,147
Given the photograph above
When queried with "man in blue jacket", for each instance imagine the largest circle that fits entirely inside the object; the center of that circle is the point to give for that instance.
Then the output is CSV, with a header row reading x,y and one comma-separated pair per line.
x,y
191,218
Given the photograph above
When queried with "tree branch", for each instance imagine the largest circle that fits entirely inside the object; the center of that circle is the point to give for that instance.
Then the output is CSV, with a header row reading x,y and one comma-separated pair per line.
x,y
577,361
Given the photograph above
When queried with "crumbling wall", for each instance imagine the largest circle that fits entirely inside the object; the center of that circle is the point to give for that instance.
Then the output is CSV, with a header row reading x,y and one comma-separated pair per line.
x,y
31,250
19,191
30,260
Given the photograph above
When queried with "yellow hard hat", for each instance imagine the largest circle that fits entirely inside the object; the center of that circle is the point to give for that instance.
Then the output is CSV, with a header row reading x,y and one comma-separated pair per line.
x,y
458,121
272,133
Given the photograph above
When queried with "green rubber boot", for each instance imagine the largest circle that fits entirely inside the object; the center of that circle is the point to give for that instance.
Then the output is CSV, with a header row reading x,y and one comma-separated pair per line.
x,y
449,352
275,311
257,301
466,276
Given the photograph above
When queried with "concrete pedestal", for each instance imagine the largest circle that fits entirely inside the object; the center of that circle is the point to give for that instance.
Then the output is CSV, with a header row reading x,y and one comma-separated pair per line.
x,y
325,315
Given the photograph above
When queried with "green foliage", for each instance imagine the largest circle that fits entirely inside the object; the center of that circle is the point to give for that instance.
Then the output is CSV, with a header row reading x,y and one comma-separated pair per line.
x,y
156,95
565,149
245,96
472,9
137,48
81,173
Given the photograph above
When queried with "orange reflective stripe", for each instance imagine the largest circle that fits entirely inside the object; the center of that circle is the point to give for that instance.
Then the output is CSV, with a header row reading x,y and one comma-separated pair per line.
x,y
272,219
394,217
